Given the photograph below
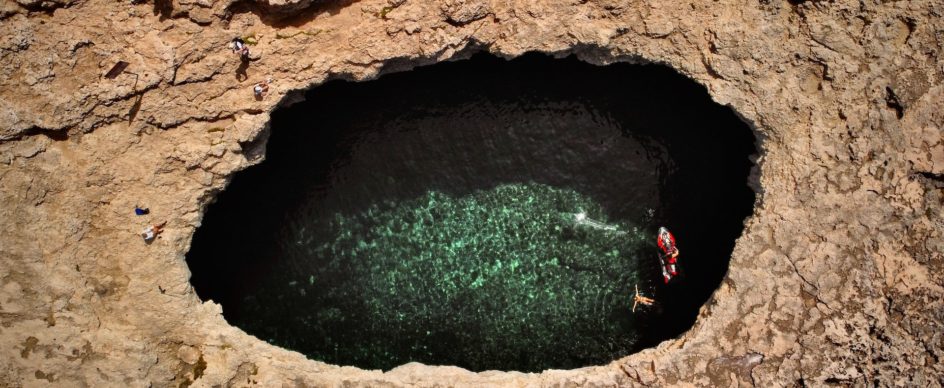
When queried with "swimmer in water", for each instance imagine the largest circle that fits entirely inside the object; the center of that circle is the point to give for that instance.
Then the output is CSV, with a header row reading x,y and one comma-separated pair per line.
x,y
637,299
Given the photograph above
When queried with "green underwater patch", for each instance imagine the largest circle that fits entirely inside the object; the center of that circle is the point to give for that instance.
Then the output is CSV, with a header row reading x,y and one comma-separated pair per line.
x,y
503,276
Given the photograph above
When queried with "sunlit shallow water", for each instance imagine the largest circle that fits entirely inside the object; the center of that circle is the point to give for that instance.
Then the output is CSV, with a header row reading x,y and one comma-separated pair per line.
x,y
496,274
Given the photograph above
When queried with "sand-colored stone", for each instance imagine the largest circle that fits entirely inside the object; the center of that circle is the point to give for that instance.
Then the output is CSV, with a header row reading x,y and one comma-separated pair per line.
x,y
836,280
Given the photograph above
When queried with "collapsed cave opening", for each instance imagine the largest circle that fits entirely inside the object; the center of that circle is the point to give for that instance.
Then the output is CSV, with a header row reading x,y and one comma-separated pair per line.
x,y
432,215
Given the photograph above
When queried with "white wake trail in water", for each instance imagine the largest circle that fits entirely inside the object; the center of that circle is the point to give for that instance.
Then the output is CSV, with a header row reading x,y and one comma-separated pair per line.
x,y
582,219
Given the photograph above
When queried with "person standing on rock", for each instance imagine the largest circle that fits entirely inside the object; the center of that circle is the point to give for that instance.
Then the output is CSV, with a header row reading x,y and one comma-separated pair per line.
x,y
240,47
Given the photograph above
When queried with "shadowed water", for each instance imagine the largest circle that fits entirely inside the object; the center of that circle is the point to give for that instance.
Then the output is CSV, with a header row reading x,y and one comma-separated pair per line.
x,y
486,214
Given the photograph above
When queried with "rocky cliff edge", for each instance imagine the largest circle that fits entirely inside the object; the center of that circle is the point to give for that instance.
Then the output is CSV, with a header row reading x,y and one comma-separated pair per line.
x,y
837,279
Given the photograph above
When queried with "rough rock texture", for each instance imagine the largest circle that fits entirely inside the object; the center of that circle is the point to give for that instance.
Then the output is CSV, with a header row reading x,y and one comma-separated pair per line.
x,y
836,280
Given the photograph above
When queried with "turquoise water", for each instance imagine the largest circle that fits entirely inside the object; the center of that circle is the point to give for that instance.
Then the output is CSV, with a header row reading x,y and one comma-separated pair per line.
x,y
502,273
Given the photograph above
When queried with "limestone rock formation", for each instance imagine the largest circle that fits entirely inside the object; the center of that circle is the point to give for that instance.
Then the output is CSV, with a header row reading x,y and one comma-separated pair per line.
x,y
837,278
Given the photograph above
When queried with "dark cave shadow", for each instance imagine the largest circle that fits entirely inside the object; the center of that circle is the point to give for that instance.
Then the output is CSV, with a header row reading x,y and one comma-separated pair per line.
x,y
705,200
164,8
297,18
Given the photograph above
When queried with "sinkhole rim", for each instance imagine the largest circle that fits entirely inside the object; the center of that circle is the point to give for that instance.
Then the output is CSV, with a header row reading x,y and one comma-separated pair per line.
x,y
258,147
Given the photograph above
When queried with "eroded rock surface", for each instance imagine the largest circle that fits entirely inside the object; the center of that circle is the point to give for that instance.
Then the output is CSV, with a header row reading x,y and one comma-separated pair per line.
x,y
836,280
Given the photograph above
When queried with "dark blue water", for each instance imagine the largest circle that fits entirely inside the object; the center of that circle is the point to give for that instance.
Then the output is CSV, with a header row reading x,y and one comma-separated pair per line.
x,y
431,216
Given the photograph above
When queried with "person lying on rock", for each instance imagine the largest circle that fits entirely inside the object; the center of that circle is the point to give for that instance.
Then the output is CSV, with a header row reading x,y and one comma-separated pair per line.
x,y
261,89
152,231
240,47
